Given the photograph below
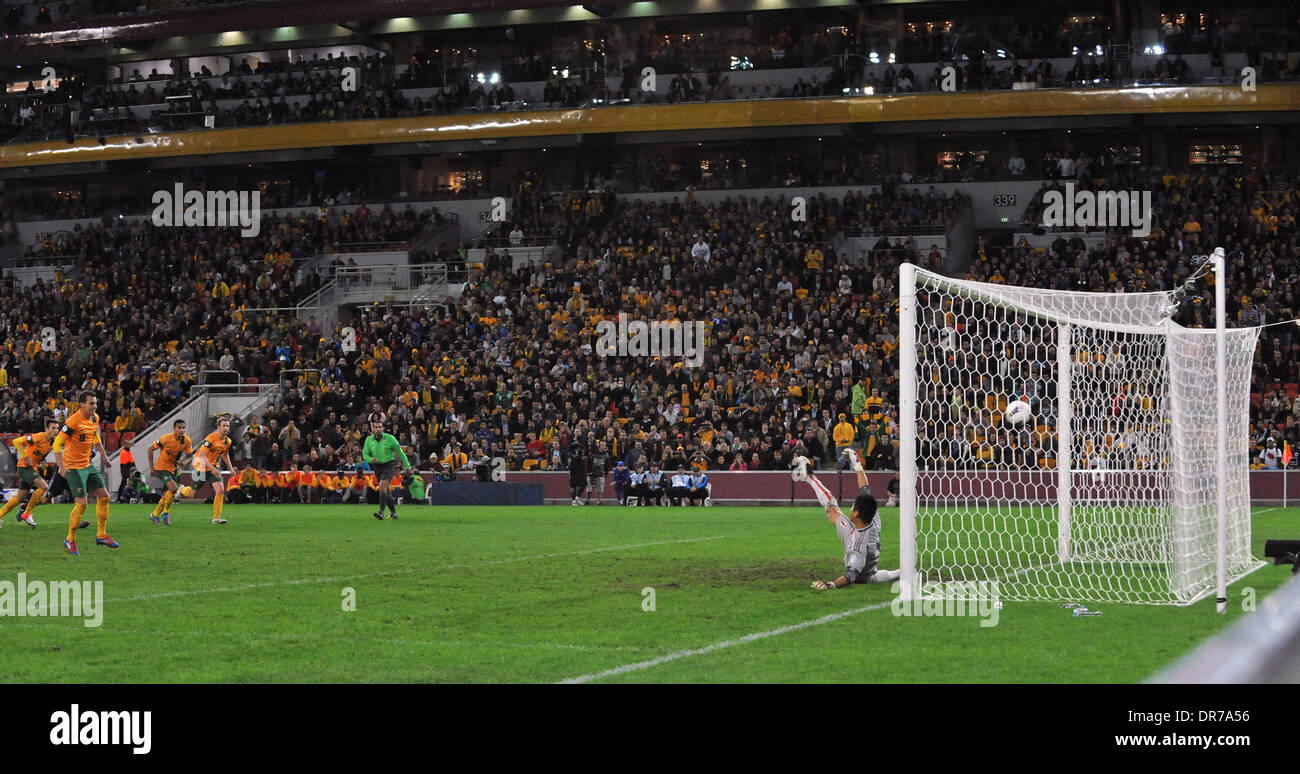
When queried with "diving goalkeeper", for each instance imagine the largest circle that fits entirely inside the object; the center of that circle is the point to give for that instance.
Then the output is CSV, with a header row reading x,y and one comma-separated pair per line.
x,y
859,532
381,451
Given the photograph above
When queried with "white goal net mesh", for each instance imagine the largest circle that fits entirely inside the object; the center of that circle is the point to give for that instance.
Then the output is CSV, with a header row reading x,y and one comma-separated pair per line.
x,y
1108,492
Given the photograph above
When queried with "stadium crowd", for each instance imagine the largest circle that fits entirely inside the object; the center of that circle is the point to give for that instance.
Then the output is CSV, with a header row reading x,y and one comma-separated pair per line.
x,y
143,310
461,379
802,351
1250,212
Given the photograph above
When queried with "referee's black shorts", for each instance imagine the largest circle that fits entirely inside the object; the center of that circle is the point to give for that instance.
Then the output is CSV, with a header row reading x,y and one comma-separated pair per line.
x,y
384,471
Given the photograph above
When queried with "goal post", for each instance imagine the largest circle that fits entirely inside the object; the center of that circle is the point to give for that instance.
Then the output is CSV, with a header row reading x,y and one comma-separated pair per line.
x,y
1114,490
907,440
1063,439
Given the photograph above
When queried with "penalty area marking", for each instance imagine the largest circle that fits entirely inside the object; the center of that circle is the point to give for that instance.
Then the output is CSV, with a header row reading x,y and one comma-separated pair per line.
x,y
681,654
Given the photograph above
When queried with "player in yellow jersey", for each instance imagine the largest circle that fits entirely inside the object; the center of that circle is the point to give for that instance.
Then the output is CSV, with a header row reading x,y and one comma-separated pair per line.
x,y
214,450
32,450
79,437
173,446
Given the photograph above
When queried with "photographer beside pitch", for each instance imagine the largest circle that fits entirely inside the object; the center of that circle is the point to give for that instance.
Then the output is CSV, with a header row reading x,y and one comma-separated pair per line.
x,y
381,451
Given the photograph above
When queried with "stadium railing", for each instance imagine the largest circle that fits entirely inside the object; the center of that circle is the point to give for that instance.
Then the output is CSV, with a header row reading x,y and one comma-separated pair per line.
x,y
920,229
416,284
205,378
370,247
195,410
441,233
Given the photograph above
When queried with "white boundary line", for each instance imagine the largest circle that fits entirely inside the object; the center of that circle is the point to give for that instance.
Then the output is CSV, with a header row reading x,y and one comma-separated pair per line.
x,y
680,654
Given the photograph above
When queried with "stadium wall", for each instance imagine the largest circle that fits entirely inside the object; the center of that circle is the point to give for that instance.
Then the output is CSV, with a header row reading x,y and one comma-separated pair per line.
x,y
726,486
775,487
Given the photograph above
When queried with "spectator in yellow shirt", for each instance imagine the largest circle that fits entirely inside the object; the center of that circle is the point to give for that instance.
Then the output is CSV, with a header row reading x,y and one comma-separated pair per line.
x,y
843,435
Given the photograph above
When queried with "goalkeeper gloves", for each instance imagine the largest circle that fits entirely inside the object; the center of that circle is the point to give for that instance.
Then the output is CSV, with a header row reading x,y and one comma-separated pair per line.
x,y
823,585
854,460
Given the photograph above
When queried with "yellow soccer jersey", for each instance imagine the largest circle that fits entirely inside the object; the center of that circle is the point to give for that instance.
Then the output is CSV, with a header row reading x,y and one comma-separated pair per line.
x,y
77,439
33,449
212,449
172,448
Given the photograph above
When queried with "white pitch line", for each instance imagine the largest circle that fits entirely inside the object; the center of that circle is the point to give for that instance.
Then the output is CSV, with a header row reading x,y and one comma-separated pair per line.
x,y
363,640
743,640
335,579
639,665
1266,510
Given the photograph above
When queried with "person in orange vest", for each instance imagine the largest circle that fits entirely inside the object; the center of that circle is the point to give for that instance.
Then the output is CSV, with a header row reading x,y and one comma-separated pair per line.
x,y
126,466
306,481
287,480
267,481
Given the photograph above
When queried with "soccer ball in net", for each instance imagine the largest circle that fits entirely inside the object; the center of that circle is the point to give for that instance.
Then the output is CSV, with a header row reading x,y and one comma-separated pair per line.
x,y
1017,413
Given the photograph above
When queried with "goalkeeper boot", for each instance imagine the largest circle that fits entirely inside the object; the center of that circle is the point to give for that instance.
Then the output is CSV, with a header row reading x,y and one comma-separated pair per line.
x,y
26,518
166,519
156,521
218,520
71,545
106,541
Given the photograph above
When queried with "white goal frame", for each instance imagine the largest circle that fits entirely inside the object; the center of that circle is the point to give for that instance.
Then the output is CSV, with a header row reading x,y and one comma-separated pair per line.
x,y
912,584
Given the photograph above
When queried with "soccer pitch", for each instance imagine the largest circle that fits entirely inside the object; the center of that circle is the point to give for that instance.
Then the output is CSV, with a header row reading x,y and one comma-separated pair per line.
x,y
543,594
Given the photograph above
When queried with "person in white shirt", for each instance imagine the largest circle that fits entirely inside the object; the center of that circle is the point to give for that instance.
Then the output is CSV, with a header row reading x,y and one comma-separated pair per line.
x,y
700,250
516,236
1271,456
680,488
846,286
653,485
636,483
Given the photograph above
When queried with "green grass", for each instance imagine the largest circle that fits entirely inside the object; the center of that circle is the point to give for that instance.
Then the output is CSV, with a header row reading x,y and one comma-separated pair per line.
x,y
539,594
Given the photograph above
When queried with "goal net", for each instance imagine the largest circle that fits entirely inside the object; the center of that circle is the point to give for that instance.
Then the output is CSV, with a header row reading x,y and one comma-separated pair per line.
x,y
1109,492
